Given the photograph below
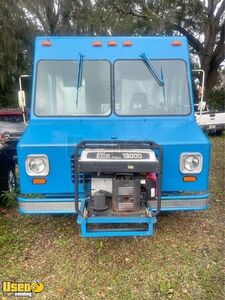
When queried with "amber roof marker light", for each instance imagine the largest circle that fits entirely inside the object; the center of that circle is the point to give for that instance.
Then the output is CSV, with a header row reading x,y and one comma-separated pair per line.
x,y
97,44
46,43
127,44
112,43
176,43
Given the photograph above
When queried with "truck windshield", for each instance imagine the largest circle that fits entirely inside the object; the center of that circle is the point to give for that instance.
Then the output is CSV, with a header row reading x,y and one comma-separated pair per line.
x,y
138,93
56,90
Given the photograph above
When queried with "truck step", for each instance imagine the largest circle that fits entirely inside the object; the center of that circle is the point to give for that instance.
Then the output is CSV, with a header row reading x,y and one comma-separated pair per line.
x,y
116,226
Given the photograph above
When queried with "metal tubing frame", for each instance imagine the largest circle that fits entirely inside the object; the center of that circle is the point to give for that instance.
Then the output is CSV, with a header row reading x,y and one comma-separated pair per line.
x,y
85,232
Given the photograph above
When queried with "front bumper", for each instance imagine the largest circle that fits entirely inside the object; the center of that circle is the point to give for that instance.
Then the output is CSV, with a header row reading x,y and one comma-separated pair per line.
x,y
213,127
67,205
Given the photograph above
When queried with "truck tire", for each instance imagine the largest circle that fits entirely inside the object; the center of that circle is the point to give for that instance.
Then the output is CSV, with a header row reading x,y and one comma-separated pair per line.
x,y
9,182
12,180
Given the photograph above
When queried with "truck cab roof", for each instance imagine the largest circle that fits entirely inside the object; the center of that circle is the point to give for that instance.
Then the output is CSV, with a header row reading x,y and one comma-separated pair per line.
x,y
158,47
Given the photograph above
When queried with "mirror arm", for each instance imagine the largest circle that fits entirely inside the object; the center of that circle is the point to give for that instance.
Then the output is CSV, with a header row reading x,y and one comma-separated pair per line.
x,y
24,117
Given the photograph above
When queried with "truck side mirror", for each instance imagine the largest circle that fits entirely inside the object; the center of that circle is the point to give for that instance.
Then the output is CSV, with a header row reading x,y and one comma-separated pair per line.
x,y
21,99
202,104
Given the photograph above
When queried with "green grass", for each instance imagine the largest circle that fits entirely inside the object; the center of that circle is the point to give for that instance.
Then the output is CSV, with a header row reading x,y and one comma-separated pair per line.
x,y
184,259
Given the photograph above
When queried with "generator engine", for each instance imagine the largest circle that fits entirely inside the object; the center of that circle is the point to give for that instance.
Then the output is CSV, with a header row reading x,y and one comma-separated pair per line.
x,y
126,195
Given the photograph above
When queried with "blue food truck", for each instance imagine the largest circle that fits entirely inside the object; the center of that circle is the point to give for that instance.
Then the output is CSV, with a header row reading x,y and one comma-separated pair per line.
x,y
112,135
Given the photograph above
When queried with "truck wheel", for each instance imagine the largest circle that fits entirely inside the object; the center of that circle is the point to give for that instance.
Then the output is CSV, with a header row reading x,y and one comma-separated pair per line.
x,y
11,180
8,181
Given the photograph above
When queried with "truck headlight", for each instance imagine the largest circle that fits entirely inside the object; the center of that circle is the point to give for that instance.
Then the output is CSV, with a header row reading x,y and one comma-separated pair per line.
x,y
37,165
191,163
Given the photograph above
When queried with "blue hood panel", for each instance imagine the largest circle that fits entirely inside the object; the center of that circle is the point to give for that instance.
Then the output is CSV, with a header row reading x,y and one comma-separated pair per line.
x,y
167,130
57,138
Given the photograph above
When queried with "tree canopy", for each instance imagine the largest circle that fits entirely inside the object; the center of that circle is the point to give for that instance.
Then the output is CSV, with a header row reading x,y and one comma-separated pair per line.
x,y
202,22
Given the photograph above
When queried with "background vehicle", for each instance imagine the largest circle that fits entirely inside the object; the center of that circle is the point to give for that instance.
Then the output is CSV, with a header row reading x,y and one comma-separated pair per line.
x,y
11,129
211,121
112,135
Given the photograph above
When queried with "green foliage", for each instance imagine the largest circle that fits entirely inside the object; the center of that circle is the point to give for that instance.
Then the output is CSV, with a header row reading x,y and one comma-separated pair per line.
x,y
216,99
100,247
9,199
8,100
15,49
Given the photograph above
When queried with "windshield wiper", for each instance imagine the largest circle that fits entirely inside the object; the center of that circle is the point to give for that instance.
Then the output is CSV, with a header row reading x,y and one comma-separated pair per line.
x,y
152,70
163,87
79,76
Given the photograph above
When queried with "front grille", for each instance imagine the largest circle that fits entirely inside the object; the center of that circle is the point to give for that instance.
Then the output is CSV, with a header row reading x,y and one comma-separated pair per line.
x,y
80,175
178,203
72,167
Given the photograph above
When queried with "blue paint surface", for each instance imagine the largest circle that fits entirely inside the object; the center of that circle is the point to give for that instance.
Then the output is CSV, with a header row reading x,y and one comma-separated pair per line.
x,y
57,139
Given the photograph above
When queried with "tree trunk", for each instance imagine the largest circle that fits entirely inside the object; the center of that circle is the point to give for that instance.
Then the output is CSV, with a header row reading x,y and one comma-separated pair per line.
x,y
208,55
210,82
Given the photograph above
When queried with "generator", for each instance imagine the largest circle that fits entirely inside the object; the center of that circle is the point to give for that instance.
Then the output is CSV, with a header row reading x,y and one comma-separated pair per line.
x,y
118,181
